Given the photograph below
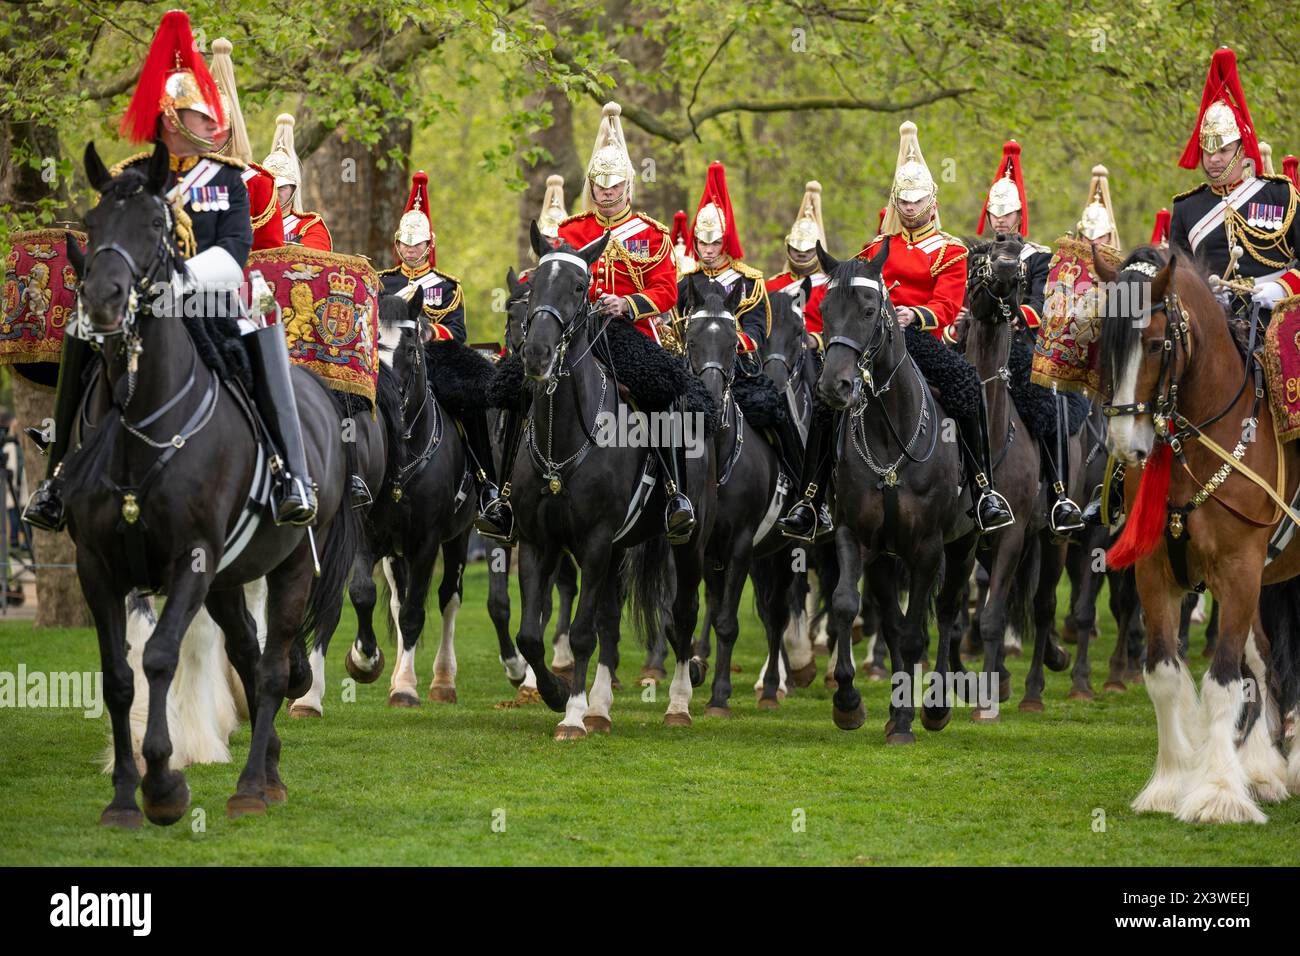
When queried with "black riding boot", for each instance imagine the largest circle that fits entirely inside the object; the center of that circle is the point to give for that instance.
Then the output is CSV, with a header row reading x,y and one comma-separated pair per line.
x,y
809,517
45,507
1065,516
992,511
480,447
679,516
790,446
294,493
1092,511
496,519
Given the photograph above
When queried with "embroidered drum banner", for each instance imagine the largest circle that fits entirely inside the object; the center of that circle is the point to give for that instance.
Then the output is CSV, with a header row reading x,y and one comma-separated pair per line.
x,y
40,298
329,307
1067,351
1282,367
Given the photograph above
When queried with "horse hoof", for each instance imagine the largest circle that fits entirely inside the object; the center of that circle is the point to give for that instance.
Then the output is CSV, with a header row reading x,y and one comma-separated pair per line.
x,y
849,719
1079,693
676,719
304,710
519,682
170,802
699,670
245,805
900,739
736,669
443,695
1069,634
569,732
718,712
804,676
935,724
121,818
403,698
768,703
1028,706
360,676
1004,689
830,683
1056,659
596,724
275,793
1115,687
876,672
983,716
653,675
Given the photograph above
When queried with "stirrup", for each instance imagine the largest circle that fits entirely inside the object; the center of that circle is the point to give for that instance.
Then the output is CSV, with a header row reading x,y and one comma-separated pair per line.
x,y
497,521
45,508
39,438
296,504
360,492
999,501
687,526
791,526
1071,513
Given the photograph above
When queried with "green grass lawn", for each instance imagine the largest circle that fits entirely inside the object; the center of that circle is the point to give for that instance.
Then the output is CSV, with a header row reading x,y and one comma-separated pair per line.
x,y
369,785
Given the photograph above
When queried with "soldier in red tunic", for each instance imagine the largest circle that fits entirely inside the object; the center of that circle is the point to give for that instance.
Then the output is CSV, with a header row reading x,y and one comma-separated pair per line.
x,y
925,273
300,228
263,210
801,254
635,279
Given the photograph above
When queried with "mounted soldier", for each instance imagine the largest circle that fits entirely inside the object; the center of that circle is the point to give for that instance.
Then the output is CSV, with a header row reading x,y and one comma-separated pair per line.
x,y
685,261
1239,206
1160,231
1006,212
716,249
444,309
268,228
801,257
634,279
177,102
1097,224
301,228
924,272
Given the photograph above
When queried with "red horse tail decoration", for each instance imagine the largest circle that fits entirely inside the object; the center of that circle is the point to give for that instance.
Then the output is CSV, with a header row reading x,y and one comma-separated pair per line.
x,y
1146,522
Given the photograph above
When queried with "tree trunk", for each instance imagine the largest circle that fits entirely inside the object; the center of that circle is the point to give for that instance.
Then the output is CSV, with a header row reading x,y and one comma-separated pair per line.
x,y
557,139
59,602
363,201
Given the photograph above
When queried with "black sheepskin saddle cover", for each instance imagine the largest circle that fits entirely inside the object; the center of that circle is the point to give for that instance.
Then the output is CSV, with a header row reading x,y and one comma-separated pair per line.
x,y
1034,403
655,377
947,370
221,348
460,376
763,406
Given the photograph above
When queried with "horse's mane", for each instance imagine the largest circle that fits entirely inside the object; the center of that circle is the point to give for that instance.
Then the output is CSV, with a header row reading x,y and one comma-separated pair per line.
x,y
392,309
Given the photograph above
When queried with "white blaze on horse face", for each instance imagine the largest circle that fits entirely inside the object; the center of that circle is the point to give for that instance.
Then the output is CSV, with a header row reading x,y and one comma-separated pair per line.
x,y
1130,437
389,338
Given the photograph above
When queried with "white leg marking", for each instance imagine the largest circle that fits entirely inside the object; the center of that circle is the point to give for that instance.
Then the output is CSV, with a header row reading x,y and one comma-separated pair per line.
x,y
403,681
562,654
1174,698
781,688
394,601
574,712
530,679
1217,788
359,659
797,644
444,665
312,699
517,668
1263,762
679,691
602,693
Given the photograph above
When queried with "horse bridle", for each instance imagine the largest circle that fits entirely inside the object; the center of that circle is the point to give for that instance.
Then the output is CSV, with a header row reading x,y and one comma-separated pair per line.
x,y
728,377
142,282
1177,340
883,335
981,278
568,326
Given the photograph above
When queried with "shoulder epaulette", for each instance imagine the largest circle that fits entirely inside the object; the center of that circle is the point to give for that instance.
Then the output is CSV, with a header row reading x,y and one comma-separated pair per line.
x,y
116,168
1191,192
747,270
447,275
653,221
952,240
576,218
1273,178
389,271
228,160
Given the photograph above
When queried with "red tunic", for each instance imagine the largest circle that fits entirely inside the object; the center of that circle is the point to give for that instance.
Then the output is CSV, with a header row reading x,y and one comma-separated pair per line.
x,y
307,230
636,264
925,271
812,309
263,208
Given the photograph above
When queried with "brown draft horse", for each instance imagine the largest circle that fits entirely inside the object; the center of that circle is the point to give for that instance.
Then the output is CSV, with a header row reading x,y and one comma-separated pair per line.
x,y
1170,363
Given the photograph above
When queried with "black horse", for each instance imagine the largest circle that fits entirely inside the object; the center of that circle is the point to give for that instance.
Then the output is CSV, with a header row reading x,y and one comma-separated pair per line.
x,y
499,553
574,493
751,491
1024,560
172,465
897,491
433,508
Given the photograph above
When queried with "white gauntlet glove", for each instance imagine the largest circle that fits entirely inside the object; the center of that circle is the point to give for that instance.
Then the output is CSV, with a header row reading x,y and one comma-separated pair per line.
x,y
1269,294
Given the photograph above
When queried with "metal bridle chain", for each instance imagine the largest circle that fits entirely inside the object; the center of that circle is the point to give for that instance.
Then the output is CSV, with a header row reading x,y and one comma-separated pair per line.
x,y
858,434
551,466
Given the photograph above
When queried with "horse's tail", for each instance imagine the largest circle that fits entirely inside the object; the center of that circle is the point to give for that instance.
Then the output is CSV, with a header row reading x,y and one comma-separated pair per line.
x,y
649,580
1279,612
336,557
1020,602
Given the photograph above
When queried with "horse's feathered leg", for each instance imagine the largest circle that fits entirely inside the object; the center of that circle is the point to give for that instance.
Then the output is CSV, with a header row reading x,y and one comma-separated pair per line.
x,y
109,612
166,795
